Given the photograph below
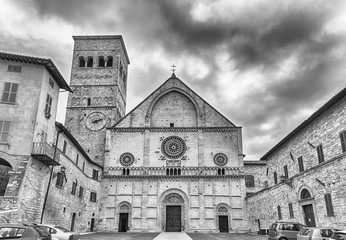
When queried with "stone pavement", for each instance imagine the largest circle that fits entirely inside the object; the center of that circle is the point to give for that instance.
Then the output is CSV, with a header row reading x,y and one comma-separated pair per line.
x,y
168,236
172,236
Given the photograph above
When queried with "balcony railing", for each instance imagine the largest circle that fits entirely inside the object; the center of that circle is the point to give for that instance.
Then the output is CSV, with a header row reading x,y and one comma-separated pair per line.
x,y
43,152
172,171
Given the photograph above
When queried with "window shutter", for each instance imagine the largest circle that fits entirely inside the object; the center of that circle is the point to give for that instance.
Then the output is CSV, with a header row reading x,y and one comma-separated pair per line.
x,y
279,212
320,153
300,163
290,207
286,171
329,205
343,141
275,178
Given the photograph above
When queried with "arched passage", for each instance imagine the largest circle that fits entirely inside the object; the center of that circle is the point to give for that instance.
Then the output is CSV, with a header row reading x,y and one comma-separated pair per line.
x,y
5,167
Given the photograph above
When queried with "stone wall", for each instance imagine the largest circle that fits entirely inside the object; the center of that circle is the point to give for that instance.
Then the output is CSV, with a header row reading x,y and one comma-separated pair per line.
x,y
61,203
257,169
318,178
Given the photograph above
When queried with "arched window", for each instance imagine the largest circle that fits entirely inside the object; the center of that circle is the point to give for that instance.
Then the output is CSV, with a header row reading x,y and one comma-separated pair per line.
x,y
109,61
175,171
101,62
89,101
90,62
81,62
305,194
5,167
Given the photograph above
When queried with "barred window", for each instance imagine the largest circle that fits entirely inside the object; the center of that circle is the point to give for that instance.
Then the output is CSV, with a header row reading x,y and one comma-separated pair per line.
x,y
10,92
249,181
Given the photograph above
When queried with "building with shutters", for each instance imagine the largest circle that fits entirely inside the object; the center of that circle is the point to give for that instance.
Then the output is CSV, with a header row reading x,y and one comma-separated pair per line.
x,y
304,173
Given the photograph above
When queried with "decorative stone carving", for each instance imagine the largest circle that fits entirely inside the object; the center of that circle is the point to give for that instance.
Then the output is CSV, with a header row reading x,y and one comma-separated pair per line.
x,y
126,159
173,147
220,159
174,198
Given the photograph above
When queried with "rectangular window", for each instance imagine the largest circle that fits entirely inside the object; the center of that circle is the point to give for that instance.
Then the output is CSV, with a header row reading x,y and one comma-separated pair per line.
x,y
64,148
4,131
275,178
13,68
81,192
95,174
51,83
83,166
329,204
74,188
59,180
77,158
290,208
301,164
93,196
48,106
279,212
343,141
320,153
10,93
286,171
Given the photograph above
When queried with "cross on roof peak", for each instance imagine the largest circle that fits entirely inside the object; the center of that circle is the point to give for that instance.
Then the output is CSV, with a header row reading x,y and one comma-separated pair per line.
x,y
173,68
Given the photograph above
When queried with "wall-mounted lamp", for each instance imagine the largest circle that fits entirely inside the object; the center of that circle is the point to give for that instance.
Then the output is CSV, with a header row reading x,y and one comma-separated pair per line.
x,y
286,181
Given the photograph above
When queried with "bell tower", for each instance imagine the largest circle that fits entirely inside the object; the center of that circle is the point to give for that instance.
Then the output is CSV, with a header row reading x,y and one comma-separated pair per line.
x,y
99,84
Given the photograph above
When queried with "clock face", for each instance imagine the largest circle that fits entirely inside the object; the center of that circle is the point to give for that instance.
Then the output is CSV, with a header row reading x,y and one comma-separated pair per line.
x,y
96,121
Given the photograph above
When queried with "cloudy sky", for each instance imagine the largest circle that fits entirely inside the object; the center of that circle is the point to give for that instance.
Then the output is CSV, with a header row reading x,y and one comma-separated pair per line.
x,y
267,65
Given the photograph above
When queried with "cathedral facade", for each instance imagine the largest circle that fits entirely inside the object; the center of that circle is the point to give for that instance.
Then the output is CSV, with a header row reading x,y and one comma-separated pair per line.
x,y
173,163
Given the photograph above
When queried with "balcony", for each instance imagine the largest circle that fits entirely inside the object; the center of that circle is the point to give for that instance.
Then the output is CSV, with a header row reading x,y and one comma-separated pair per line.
x,y
43,152
182,172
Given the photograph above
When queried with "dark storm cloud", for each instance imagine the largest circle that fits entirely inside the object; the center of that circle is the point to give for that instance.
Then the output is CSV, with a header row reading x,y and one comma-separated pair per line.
x,y
259,36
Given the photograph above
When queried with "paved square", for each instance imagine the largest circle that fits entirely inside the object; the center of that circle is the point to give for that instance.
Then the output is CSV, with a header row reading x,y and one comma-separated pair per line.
x,y
151,236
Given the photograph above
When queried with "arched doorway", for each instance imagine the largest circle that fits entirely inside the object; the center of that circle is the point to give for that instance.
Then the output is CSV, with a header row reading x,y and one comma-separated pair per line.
x,y
306,201
5,167
124,217
174,211
222,218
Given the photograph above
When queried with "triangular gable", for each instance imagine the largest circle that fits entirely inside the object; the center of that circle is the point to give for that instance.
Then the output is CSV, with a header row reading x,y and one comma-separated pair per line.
x,y
140,116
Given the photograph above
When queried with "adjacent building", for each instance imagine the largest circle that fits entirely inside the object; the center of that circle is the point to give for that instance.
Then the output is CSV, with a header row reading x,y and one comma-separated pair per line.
x,y
305,173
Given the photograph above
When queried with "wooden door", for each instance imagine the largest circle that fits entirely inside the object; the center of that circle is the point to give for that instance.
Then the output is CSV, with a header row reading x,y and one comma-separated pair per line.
x,y
309,215
223,223
173,219
123,222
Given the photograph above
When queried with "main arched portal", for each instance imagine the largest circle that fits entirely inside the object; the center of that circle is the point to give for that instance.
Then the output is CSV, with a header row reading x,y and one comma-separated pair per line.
x,y
174,211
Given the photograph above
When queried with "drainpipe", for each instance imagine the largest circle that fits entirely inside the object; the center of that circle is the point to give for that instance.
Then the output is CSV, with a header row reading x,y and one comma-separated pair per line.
x,y
50,176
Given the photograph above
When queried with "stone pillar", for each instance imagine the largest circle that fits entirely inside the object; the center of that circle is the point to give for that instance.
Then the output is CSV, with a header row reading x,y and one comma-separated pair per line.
x,y
200,149
201,202
146,150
